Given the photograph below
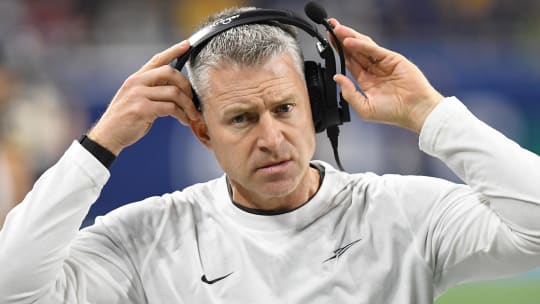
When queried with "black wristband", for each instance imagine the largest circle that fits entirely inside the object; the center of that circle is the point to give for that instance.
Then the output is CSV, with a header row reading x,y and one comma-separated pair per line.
x,y
104,156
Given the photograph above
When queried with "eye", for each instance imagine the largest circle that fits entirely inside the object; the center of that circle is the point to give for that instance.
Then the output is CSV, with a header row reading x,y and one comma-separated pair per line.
x,y
238,119
285,108
244,119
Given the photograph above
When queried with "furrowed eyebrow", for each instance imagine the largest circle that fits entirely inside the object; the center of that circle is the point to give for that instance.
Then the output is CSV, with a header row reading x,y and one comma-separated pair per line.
x,y
283,99
238,107
246,106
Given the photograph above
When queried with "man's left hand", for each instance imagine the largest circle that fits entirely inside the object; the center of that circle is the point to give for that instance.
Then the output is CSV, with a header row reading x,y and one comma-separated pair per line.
x,y
397,91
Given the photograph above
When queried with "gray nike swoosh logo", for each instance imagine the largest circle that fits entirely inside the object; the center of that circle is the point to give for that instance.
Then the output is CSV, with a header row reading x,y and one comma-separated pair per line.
x,y
205,280
340,251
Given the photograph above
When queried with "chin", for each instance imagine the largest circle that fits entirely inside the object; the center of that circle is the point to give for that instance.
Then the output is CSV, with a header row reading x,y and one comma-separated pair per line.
x,y
279,188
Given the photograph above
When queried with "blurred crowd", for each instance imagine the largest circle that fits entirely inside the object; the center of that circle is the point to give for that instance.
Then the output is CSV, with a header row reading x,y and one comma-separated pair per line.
x,y
61,61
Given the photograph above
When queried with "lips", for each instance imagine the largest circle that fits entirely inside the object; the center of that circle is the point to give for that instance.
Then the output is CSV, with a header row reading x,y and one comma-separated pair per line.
x,y
274,167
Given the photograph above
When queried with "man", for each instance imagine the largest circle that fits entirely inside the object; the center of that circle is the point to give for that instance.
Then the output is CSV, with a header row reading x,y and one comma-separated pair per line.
x,y
277,227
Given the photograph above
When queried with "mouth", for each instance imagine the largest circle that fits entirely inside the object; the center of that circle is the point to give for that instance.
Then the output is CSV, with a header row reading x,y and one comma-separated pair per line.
x,y
274,167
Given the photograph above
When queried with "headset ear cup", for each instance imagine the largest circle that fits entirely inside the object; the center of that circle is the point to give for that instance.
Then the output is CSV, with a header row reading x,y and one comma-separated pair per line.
x,y
315,86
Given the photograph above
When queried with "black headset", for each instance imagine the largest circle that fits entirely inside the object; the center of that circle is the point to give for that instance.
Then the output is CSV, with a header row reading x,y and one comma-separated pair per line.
x,y
327,111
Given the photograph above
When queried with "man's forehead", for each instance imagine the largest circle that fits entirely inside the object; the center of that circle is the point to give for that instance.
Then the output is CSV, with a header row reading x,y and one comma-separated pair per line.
x,y
277,79
282,64
271,91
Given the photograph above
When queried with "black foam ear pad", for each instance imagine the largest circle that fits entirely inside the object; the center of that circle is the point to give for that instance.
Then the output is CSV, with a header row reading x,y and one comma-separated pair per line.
x,y
316,90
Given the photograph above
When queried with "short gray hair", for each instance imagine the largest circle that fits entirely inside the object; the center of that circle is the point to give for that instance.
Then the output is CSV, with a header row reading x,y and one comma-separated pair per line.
x,y
245,45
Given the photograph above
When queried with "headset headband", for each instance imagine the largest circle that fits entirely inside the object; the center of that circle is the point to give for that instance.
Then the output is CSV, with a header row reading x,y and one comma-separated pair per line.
x,y
202,36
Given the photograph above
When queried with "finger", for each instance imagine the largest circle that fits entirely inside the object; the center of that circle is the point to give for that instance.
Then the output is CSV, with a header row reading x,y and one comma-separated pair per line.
x,y
343,31
164,75
174,94
373,59
181,117
357,63
351,95
333,22
367,49
168,108
348,33
153,109
166,56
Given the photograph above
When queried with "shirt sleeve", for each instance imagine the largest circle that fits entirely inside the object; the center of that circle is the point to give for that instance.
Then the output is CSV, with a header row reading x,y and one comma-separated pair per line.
x,y
490,227
37,258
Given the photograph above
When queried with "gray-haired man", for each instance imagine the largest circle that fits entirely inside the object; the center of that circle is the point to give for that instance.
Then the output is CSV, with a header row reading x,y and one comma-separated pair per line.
x,y
278,227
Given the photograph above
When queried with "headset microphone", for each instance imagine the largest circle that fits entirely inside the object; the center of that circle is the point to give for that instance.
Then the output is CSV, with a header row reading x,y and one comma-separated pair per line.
x,y
318,14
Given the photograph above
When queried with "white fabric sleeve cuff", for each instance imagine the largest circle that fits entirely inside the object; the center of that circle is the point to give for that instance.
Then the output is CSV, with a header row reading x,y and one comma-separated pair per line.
x,y
88,163
449,108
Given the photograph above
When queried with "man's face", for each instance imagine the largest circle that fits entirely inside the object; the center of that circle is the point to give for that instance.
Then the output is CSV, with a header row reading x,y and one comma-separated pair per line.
x,y
259,126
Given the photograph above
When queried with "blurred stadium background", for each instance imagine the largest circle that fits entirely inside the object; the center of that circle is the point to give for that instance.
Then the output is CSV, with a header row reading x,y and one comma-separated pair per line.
x,y
61,61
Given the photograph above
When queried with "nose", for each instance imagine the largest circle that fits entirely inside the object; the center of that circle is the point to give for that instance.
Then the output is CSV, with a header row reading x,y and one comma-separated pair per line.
x,y
270,135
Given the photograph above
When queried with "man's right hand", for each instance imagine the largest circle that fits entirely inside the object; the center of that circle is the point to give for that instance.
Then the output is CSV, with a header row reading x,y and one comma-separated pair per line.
x,y
156,90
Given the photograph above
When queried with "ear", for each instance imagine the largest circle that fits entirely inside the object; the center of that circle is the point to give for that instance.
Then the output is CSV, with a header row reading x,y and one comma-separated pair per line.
x,y
200,130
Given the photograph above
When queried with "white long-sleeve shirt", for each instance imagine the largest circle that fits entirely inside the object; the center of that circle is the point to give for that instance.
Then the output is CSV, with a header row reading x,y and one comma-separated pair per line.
x,y
362,238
